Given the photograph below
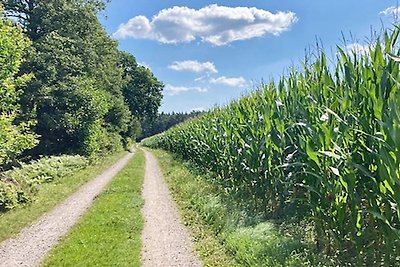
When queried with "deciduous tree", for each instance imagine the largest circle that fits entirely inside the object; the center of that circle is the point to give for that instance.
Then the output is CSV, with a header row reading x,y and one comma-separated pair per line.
x,y
76,68
143,92
15,137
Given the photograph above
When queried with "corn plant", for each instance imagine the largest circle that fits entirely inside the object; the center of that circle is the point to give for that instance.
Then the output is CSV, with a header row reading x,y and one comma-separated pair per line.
x,y
322,143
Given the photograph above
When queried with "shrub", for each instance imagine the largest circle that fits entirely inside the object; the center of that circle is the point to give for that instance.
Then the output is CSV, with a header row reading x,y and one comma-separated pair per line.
x,y
18,186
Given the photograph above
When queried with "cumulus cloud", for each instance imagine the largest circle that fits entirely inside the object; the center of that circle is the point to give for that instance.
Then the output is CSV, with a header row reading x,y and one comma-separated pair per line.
x,y
391,11
214,24
175,90
193,66
229,81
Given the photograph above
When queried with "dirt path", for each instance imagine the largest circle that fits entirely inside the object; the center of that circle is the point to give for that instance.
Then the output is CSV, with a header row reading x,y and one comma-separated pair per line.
x,y
30,247
165,241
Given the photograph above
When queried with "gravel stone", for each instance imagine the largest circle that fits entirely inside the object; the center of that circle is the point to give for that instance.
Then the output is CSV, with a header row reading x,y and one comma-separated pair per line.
x,y
165,240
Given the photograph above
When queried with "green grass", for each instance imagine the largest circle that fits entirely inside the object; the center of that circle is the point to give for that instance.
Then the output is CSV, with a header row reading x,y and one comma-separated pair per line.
x,y
109,233
192,195
49,195
226,235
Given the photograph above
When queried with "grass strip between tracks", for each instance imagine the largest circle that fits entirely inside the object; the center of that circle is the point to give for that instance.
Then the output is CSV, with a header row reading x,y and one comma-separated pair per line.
x,y
109,233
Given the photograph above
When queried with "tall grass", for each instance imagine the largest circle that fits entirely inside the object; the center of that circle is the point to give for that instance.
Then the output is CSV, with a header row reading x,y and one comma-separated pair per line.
x,y
322,143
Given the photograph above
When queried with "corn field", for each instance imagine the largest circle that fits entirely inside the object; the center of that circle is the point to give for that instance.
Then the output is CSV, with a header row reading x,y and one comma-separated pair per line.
x,y
323,143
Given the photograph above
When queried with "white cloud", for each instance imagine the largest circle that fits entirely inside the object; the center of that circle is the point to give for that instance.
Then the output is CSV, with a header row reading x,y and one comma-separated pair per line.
x,y
391,11
200,79
214,24
193,66
229,81
358,48
175,90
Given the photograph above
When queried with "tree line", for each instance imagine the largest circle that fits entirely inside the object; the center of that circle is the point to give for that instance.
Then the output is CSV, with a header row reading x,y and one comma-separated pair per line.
x,y
164,121
65,87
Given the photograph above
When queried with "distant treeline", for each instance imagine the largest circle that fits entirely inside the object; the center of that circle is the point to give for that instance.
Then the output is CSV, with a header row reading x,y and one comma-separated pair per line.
x,y
64,85
163,122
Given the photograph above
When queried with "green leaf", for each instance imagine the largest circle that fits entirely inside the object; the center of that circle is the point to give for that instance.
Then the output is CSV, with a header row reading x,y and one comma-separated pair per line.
x,y
313,155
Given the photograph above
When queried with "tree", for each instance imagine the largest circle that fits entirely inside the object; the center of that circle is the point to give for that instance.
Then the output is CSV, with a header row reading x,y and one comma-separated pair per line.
x,y
164,121
143,92
32,14
86,95
15,137
76,94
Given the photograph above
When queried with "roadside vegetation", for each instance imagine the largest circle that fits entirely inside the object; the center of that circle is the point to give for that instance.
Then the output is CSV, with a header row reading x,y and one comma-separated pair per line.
x,y
109,233
18,186
65,88
42,195
321,146
225,233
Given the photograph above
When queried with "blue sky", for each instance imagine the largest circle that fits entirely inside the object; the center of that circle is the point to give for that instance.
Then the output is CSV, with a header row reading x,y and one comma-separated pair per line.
x,y
210,52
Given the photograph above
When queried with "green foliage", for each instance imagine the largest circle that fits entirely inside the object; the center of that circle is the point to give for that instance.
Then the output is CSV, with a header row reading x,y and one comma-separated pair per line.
x,y
32,13
86,95
143,92
77,94
164,121
323,144
225,234
10,195
18,186
74,114
263,245
14,137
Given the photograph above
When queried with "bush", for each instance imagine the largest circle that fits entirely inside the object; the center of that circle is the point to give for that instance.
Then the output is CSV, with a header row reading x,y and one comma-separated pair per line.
x,y
18,186
11,195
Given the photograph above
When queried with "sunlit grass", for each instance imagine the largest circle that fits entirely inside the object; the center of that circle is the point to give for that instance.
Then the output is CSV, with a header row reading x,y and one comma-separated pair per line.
x,y
109,233
225,234
49,195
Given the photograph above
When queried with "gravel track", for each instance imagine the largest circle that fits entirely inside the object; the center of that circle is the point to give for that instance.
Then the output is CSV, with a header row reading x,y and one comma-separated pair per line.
x,y
30,247
165,240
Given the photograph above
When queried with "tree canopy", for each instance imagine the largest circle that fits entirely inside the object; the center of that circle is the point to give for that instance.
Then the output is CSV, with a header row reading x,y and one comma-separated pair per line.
x,y
143,92
86,96
164,121
15,137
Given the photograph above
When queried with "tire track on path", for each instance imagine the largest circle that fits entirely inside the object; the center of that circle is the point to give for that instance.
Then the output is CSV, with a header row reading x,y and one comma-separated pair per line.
x,y
30,247
166,242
